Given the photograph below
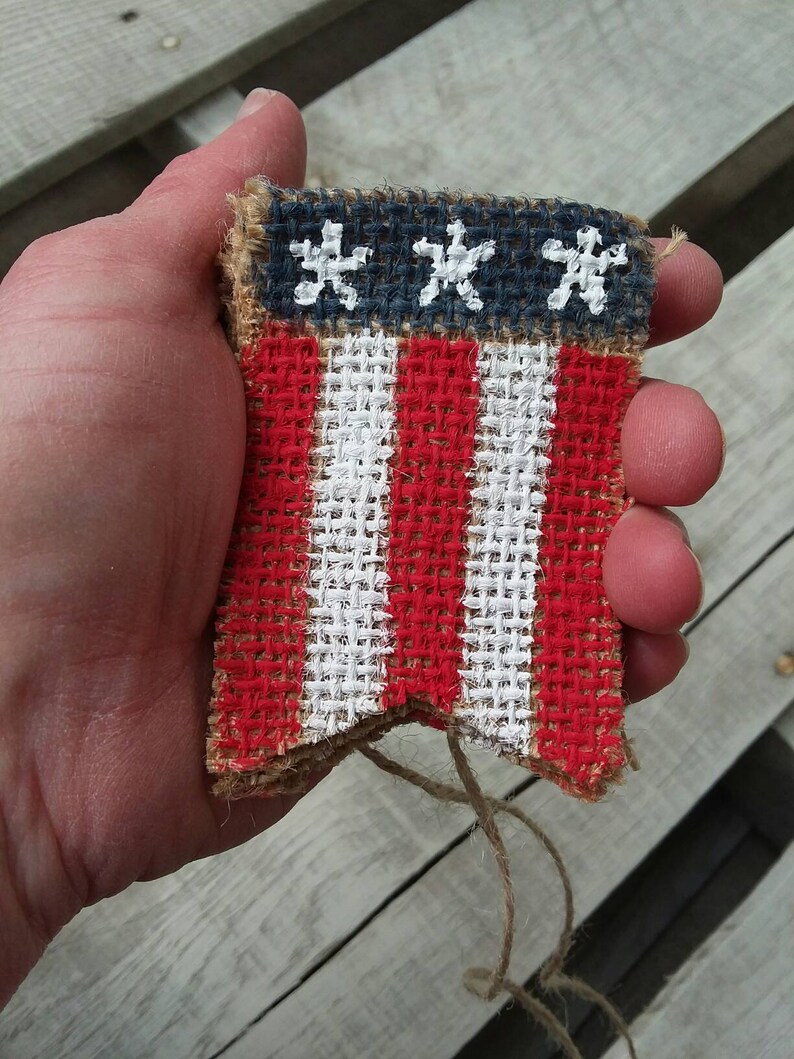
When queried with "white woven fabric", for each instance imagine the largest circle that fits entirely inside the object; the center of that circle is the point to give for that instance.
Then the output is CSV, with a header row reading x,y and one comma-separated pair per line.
x,y
583,268
347,634
513,435
329,264
453,265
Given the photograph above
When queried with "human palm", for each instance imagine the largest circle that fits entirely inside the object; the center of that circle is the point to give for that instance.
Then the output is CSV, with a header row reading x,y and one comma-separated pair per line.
x,y
121,442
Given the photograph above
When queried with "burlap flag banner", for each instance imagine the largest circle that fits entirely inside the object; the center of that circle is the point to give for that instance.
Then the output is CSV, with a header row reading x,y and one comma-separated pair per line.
x,y
435,385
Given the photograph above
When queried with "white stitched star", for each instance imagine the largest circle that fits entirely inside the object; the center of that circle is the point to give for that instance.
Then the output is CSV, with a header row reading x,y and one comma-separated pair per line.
x,y
327,261
584,268
453,266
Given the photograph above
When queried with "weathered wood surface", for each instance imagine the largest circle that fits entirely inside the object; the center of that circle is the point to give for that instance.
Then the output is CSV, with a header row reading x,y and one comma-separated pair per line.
x,y
103,184
733,996
185,963
512,97
78,79
730,692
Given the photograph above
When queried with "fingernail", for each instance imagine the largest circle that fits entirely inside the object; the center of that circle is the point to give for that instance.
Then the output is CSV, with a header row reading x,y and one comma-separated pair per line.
x,y
253,101
687,647
702,585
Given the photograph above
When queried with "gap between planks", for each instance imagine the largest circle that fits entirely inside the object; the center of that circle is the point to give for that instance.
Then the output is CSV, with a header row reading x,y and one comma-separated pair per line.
x,y
410,957
203,932
514,793
733,995
80,81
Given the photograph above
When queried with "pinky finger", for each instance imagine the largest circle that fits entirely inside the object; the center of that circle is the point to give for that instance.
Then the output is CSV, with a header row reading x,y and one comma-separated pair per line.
x,y
652,661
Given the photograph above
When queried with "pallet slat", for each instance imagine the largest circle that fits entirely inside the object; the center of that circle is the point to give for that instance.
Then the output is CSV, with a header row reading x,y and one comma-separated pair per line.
x,y
81,78
187,962
570,99
733,996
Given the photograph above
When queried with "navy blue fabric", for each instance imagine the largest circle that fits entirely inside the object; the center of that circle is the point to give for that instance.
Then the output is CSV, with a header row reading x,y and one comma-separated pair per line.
x,y
514,285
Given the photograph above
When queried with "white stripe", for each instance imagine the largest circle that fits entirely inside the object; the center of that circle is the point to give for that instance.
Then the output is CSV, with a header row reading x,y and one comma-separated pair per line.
x,y
347,636
510,463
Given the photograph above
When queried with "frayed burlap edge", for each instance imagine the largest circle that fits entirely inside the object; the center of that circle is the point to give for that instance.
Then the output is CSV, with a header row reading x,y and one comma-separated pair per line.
x,y
293,771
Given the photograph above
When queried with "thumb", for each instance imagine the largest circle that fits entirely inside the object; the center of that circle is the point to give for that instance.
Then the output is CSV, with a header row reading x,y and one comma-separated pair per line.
x,y
183,211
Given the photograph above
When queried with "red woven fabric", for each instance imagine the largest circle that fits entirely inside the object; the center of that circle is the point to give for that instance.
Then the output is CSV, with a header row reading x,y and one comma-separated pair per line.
x,y
262,606
437,401
577,661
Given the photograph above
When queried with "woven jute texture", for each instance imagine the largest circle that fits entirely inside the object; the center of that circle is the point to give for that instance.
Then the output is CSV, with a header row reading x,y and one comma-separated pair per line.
x,y
435,385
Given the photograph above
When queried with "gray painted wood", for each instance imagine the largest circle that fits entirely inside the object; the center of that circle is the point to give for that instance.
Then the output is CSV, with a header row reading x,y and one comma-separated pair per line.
x,y
571,99
77,80
733,996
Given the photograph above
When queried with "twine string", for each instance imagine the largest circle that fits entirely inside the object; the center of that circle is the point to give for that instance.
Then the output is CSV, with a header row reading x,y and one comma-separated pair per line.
x,y
489,983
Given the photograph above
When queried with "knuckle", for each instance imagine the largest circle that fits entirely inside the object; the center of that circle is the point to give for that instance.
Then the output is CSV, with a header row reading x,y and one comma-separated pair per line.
x,y
174,179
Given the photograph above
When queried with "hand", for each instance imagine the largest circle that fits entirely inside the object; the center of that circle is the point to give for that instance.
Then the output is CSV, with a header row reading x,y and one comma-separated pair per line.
x,y
121,447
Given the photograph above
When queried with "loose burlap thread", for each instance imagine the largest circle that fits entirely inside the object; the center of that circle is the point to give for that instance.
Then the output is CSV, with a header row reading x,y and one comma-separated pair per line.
x,y
490,982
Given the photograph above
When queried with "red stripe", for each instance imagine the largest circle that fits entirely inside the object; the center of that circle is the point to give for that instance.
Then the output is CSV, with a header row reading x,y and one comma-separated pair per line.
x,y
437,399
262,610
577,661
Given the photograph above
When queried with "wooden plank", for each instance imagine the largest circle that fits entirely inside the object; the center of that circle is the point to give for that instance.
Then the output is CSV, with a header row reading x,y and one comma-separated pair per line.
x,y
735,880
176,954
81,78
733,997
397,982
308,69
640,917
317,63
594,91
759,427
304,70
754,406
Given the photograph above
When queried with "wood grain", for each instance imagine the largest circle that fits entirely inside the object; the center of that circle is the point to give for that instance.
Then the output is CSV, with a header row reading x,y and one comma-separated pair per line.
x,y
77,79
568,99
733,996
